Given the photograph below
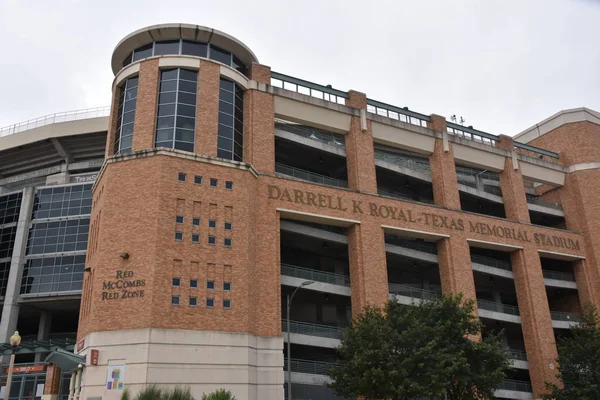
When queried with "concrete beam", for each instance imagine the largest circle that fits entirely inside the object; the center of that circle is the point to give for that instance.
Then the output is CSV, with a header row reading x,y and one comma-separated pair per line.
x,y
62,151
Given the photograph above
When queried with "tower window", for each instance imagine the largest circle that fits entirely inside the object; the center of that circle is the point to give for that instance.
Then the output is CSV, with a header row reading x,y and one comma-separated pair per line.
x,y
126,117
230,141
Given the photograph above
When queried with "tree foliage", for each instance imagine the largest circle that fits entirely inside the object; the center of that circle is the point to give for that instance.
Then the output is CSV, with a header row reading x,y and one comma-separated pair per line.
x,y
579,361
220,394
422,350
155,392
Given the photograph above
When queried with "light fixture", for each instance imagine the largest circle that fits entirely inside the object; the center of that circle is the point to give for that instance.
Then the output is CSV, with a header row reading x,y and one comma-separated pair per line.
x,y
124,256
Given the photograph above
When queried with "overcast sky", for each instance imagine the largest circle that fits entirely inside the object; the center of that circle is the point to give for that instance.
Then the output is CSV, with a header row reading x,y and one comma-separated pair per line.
x,y
502,65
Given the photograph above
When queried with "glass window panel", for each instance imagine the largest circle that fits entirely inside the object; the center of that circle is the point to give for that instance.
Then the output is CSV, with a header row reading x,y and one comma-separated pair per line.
x,y
188,75
227,85
166,47
226,107
127,59
127,130
165,122
168,144
165,98
228,155
220,55
168,74
186,111
164,135
126,142
132,82
130,94
128,117
184,135
226,119
185,122
166,110
224,143
194,48
239,66
142,52
168,86
186,86
184,146
186,98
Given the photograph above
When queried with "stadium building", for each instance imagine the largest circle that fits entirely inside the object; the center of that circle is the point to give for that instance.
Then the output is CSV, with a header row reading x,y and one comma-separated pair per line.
x,y
159,239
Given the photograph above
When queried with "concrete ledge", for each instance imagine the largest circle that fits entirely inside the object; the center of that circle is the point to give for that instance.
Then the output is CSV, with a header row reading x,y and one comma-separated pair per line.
x,y
317,286
512,394
498,316
486,269
560,284
560,118
316,341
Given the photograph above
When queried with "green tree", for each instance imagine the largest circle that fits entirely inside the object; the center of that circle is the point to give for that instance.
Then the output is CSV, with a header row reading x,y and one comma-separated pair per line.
x,y
422,350
220,394
579,361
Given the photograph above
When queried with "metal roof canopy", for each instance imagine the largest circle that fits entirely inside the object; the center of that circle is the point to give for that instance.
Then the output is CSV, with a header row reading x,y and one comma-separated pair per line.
x,y
37,346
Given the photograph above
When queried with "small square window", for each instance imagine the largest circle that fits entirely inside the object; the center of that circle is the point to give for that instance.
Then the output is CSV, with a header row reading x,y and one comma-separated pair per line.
x,y
193,283
227,286
227,226
176,281
214,182
212,223
228,185
198,180
178,235
212,240
175,300
179,219
196,221
210,284
227,242
195,238
181,177
193,301
210,303
226,303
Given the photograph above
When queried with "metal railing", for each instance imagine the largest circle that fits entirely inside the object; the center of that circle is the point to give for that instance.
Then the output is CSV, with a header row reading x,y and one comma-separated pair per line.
x,y
517,355
430,248
402,161
410,291
497,307
559,275
536,152
308,366
517,386
305,328
397,113
315,134
314,275
64,116
471,134
565,316
493,176
495,190
491,262
309,176
301,86
531,199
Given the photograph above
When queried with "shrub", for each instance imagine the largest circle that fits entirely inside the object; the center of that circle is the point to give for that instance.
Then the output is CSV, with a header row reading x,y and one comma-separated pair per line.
x,y
220,394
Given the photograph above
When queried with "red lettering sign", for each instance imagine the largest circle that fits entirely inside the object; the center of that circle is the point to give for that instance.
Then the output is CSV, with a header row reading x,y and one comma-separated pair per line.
x,y
27,368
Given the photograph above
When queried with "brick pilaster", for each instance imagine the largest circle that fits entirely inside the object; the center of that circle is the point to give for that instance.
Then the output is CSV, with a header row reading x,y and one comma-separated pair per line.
x,y
456,272
207,109
145,109
368,267
443,169
511,183
52,384
259,125
360,156
535,317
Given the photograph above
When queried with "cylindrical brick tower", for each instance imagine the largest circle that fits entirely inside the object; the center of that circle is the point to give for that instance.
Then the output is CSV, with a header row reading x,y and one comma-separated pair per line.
x,y
174,291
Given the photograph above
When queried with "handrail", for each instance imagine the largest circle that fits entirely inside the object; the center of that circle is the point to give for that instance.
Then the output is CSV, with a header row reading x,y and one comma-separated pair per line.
x,y
64,116
491,262
484,174
471,134
533,149
309,176
497,307
411,291
305,328
415,165
565,316
309,366
315,275
301,86
393,112
531,199
517,386
558,275
318,135
517,354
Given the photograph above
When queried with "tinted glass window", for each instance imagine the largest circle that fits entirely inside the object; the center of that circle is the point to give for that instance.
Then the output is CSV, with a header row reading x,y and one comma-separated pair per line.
x,y
62,201
197,49
230,140
53,274
176,117
9,208
58,236
166,47
126,116
142,52
220,55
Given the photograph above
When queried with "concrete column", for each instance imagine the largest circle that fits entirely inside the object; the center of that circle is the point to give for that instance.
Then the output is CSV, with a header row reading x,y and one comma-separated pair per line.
x,y
72,386
52,384
77,384
259,117
10,309
360,154
368,267
511,183
207,109
145,108
43,332
443,169
535,316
